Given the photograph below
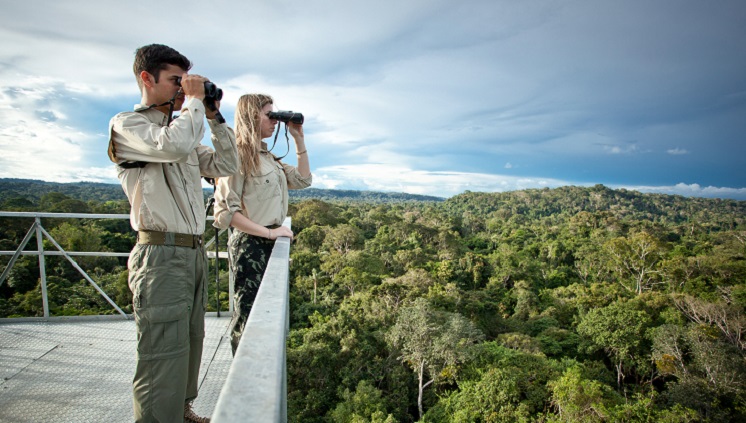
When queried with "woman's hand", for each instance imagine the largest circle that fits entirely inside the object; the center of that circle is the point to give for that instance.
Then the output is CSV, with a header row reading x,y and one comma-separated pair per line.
x,y
296,131
281,231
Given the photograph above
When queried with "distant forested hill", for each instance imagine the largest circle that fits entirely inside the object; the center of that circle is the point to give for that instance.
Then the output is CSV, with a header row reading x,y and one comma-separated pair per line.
x,y
362,196
33,191
621,203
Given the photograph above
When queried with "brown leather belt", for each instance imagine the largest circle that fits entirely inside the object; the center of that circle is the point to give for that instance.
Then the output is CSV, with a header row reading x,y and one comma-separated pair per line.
x,y
169,238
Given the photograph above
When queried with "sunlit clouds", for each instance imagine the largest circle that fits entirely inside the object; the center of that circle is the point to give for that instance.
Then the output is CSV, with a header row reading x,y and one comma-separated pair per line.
x,y
435,98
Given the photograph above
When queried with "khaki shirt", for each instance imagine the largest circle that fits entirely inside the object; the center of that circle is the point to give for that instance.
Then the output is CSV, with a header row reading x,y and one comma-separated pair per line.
x,y
166,194
262,198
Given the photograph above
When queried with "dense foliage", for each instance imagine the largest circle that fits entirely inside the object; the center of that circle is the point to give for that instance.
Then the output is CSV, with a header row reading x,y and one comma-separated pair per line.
x,y
555,305
564,305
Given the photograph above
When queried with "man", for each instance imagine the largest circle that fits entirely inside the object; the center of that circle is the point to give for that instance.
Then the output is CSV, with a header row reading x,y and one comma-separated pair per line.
x,y
160,162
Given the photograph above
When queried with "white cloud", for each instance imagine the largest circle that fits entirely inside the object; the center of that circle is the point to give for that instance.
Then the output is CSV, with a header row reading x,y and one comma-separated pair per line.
x,y
439,85
85,66
620,148
37,139
690,190
392,178
677,151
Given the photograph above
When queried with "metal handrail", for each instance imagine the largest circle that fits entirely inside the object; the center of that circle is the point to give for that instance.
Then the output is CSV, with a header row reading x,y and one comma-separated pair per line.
x,y
38,230
256,387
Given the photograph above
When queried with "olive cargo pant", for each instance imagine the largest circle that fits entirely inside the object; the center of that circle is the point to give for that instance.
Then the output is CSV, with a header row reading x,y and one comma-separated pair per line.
x,y
168,285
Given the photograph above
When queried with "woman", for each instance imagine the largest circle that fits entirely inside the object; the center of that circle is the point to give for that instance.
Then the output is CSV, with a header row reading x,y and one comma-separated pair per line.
x,y
255,201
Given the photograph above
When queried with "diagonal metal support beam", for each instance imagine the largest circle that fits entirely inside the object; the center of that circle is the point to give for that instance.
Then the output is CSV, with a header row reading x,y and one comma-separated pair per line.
x,y
82,272
17,254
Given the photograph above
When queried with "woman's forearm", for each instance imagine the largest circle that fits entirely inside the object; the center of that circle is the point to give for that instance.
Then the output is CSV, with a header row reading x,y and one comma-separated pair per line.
x,y
244,224
304,166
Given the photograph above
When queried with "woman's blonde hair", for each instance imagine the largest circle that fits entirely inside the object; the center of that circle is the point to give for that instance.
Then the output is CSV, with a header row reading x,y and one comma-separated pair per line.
x,y
248,133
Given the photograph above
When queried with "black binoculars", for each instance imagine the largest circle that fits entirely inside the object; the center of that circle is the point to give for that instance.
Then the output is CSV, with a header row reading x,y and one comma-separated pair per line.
x,y
212,93
286,116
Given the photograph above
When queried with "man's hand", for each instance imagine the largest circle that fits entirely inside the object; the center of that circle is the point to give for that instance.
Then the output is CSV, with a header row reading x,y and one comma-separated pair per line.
x,y
193,86
211,114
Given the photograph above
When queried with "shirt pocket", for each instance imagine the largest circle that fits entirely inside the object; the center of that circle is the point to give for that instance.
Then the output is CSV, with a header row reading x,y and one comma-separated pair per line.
x,y
264,187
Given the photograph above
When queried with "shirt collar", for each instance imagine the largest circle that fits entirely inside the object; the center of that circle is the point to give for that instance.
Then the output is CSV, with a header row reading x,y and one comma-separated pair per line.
x,y
143,107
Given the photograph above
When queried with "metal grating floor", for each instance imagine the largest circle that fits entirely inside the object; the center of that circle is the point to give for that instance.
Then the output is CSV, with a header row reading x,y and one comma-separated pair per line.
x,y
80,369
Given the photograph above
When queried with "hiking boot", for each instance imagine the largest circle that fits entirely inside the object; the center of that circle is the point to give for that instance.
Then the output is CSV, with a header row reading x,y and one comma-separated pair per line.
x,y
191,417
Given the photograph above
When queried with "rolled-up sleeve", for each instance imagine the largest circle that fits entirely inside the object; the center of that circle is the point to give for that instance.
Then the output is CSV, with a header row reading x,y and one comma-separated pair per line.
x,y
224,159
228,194
295,179
137,138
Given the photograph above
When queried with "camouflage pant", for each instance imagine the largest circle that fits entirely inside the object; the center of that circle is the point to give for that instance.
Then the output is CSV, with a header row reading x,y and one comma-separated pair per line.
x,y
248,260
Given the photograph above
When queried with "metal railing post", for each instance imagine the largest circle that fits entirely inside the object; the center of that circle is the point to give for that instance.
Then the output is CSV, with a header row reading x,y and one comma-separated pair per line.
x,y
42,267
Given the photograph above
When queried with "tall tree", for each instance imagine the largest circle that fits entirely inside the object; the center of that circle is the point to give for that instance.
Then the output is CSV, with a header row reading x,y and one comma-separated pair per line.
x,y
431,342
634,260
619,329
728,318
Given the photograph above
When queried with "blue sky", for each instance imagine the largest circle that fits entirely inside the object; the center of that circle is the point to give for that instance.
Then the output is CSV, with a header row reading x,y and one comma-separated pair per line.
x,y
424,96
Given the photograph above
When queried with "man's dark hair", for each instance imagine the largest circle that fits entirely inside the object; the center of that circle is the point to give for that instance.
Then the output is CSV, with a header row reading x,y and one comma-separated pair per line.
x,y
153,58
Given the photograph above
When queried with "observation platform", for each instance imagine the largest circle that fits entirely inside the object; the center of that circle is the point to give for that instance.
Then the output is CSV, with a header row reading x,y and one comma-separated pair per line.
x,y
80,369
